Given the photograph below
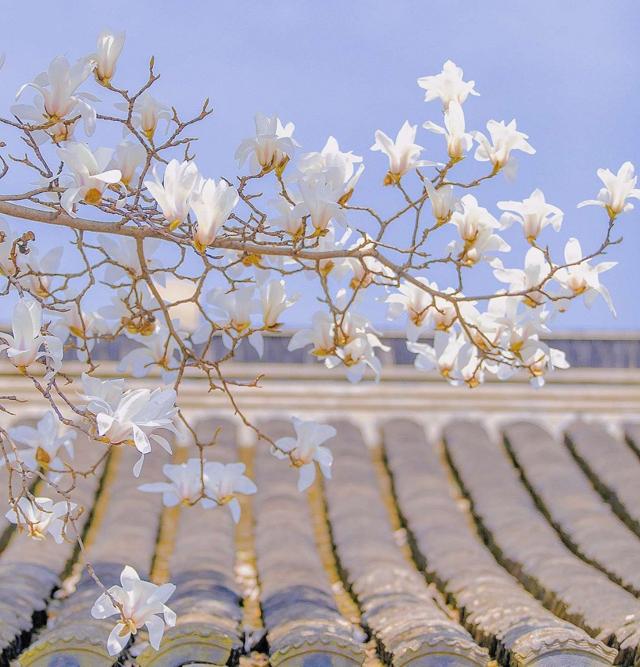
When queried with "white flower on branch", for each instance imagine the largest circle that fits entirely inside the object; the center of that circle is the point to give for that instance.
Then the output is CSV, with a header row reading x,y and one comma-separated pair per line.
x,y
131,417
458,140
443,201
108,51
403,153
90,174
538,358
475,226
156,351
320,203
306,449
223,482
332,168
141,604
212,203
147,113
58,99
504,139
274,301
579,277
533,213
319,335
28,344
185,485
447,86
617,189
173,193
127,159
123,263
271,148
42,444
530,279
39,516
39,270
442,356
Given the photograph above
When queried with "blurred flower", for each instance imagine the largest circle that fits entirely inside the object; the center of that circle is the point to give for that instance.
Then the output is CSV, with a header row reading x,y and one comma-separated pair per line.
x,y
128,157
223,483
41,516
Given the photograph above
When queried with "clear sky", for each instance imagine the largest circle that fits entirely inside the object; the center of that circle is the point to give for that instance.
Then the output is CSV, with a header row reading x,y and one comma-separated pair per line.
x,y
567,71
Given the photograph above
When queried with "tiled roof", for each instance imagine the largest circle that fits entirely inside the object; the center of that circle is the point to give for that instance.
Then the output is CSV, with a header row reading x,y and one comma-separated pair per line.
x,y
449,548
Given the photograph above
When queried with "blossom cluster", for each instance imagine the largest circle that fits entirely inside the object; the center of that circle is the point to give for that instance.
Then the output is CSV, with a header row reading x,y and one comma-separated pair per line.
x,y
186,268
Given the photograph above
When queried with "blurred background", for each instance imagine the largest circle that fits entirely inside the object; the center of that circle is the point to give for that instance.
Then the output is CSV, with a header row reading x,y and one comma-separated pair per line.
x,y
567,72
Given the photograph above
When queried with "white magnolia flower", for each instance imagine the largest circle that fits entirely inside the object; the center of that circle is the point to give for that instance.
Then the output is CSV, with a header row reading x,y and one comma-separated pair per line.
x,y
212,204
42,444
447,86
271,148
617,189
90,174
223,483
289,218
28,344
155,351
185,485
403,153
320,203
582,278
458,140
108,51
123,263
504,140
306,449
538,358
319,335
443,201
130,417
41,516
475,226
174,193
142,604
442,356
58,99
147,113
333,168
533,213
127,158
425,311
273,301
39,269
535,273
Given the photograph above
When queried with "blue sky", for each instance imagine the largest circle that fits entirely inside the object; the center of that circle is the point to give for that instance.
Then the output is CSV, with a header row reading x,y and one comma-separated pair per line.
x,y
568,72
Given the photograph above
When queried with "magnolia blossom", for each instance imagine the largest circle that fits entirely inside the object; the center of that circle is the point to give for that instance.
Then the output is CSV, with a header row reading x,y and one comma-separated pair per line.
x,y
504,139
127,158
25,346
442,356
617,189
42,444
185,485
130,417
443,201
41,516
58,99
212,204
155,351
273,301
290,218
319,335
538,358
447,86
272,146
458,141
108,51
530,280
123,263
403,153
475,226
320,203
173,194
533,213
579,277
306,449
38,268
223,483
333,168
90,174
147,113
142,604
413,300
